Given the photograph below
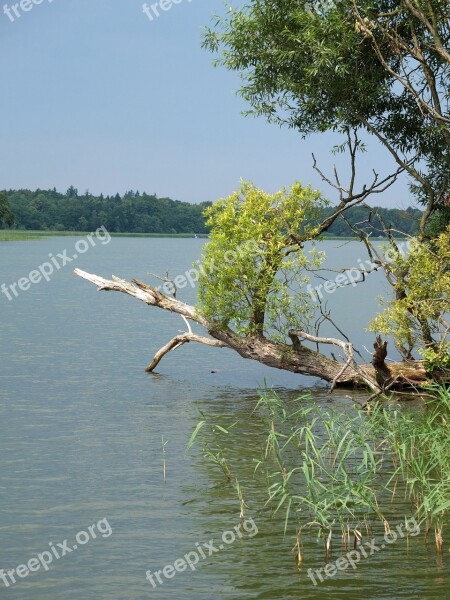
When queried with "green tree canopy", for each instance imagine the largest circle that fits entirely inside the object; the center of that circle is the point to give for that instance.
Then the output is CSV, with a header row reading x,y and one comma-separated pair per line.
x,y
257,287
422,301
379,65
6,215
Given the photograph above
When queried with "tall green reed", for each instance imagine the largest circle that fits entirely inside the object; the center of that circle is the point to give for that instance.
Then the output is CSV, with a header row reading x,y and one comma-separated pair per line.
x,y
325,469
420,445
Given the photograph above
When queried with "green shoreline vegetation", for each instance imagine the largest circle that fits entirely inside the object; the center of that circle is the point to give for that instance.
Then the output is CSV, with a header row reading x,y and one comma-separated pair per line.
x,y
20,235
13,235
17,235
48,212
337,472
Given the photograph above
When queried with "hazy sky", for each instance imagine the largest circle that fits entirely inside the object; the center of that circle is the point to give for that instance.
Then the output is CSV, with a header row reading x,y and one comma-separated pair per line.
x,y
96,95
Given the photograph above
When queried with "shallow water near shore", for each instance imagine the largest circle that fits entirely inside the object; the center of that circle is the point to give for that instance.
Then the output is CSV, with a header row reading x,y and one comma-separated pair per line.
x,y
82,433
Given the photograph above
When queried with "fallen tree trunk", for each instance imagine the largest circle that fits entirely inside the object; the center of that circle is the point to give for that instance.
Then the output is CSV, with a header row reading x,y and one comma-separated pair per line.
x,y
295,357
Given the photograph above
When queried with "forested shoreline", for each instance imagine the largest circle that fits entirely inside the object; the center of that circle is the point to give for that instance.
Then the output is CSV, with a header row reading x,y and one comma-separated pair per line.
x,y
49,210
133,212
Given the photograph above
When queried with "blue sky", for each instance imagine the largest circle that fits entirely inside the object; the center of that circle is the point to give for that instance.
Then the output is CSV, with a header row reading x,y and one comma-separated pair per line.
x,y
96,95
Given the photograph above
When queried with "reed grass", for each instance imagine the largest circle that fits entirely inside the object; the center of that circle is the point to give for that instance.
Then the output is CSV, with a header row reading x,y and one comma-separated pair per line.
x,y
420,446
163,447
326,468
214,452
333,472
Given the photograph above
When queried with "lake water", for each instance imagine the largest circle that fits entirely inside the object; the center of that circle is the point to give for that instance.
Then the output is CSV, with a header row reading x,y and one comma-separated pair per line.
x,y
81,441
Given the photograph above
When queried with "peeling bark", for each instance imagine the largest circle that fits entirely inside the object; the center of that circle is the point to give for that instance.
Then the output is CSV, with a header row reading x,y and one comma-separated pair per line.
x,y
295,357
383,373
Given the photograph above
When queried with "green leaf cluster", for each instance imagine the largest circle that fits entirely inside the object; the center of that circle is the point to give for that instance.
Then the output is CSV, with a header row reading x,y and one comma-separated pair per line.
x,y
255,264
379,65
423,297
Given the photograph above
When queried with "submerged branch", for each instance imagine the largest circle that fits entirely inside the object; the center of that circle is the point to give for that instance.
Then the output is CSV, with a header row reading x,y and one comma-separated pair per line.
x,y
294,357
178,341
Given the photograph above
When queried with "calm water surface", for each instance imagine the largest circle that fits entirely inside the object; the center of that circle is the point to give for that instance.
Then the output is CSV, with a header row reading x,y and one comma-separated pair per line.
x,y
81,440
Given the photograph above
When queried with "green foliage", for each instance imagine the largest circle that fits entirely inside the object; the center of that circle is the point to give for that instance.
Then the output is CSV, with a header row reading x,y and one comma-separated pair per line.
x,y
436,361
423,297
44,210
338,471
325,464
6,215
131,213
439,220
299,63
380,65
257,244
420,445
213,452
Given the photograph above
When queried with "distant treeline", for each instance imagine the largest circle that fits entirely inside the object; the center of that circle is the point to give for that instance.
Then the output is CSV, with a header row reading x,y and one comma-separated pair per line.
x,y
133,212
400,221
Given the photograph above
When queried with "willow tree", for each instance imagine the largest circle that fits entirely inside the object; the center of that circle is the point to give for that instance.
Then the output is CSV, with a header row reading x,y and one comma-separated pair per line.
x,y
382,66
252,290
378,66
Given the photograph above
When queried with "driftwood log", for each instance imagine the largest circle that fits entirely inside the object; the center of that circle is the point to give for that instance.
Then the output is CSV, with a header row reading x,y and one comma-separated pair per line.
x,y
294,357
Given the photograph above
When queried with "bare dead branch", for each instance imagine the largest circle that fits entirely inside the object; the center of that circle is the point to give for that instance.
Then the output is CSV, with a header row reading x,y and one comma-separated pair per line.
x,y
178,341
166,279
347,347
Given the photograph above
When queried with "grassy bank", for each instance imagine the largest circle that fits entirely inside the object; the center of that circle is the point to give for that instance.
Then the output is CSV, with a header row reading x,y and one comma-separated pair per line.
x,y
11,235
17,236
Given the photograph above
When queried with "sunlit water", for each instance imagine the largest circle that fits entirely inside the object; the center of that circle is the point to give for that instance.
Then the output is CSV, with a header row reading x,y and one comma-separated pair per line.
x,y
82,429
